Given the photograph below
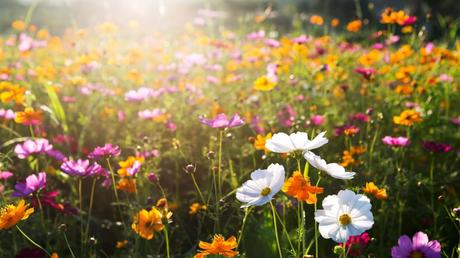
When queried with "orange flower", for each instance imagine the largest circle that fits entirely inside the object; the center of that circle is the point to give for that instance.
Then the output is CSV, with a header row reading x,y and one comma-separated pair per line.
x,y
354,26
29,117
316,20
127,184
147,222
196,207
378,193
260,140
18,25
335,22
407,118
11,215
218,246
11,92
127,165
54,255
121,244
299,187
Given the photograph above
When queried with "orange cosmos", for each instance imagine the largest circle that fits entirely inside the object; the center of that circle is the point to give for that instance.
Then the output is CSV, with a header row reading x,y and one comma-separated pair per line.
x,y
10,215
299,187
218,246
29,117
378,193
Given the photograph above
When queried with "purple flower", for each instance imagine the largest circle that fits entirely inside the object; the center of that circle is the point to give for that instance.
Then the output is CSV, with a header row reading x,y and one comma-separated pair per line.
x,y
30,147
420,246
32,184
106,150
221,121
436,147
82,168
55,154
455,120
7,114
396,141
286,116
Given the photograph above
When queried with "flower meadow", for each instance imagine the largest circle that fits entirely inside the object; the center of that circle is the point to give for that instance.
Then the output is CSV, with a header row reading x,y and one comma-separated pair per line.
x,y
341,140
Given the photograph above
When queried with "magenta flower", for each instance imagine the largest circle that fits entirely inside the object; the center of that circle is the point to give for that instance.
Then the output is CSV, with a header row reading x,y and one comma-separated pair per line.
x,y
32,184
455,120
367,73
83,168
286,116
4,175
7,114
396,141
360,117
30,147
356,244
317,120
410,20
436,147
420,246
221,121
106,150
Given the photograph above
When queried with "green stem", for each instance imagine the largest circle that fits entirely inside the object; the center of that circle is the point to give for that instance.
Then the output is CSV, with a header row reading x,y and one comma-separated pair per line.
x,y
90,209
32,241
114,186
316,224
30,11
68,245
80,197
198,189
276,231
165,229
219,169
246,213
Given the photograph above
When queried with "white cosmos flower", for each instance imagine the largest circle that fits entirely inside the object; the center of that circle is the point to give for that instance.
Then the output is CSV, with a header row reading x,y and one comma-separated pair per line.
x,y
262,186
283,143
333,169
345,214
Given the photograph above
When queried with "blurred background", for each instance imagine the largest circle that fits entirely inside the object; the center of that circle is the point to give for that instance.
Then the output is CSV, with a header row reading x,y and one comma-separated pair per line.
x,y
56,15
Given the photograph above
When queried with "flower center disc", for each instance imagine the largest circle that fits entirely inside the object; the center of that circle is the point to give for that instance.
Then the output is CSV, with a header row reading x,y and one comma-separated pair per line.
x,y
416,254
266,191
344,219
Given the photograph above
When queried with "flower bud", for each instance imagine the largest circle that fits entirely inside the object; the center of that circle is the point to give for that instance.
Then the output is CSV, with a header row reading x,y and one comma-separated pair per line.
x,y
152,177
339,250
190,168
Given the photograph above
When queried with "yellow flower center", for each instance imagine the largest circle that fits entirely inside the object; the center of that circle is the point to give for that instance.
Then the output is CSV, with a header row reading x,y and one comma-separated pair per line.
x,y
344,219
266,191
416,254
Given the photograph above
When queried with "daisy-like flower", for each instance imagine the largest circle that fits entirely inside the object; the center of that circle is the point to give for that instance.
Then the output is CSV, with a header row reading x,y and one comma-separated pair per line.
x,y
299,187
33,183
379,193
283,143
264,184
259,142
333,169
32,146
147,222
218,246
419,247
11,215
221,121
345,214
83,168
29,117
106,150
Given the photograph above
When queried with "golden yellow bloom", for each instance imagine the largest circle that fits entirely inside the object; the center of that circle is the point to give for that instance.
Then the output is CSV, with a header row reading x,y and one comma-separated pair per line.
x,y
196,207
316,20
121,244
10,215
259,142
264,84
218,246
354,26
407,118
349,156
299,187
147,222
407,29
127,164
389,16
18,25
11,92
29,117
335,22
378,193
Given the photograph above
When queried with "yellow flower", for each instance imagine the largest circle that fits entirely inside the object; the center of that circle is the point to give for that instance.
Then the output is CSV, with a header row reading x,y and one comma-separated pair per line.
x,y
18,25
378,193
354,26
128,164
259,142
196,207
11,92
121,244
107,27
264,84
29,117
218,246
299,187
147,222
316,20
10,215
407,118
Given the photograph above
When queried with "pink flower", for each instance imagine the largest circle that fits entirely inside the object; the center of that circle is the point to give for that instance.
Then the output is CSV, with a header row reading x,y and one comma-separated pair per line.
x,y
410,20
286,116
33,183
367,73
446,78
221,121
30,147
317,120
356,244
396,141
5,175
420,246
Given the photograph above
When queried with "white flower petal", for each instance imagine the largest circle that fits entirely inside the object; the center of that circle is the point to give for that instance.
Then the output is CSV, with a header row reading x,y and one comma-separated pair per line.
x,y
299,140
280,143
317,142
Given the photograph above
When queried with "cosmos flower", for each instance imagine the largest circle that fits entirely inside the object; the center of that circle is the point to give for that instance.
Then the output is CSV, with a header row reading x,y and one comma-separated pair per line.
x,y
34,146
10,215
356,244
379,193
436,147
7,114
221,121
106,150
147,222
32,184
5,175
283,143
367,73
262,186
333,169
82,168
396,141
29,117
219,246
317,120
259,142
419,247
407,118
131,166
299,187
345,214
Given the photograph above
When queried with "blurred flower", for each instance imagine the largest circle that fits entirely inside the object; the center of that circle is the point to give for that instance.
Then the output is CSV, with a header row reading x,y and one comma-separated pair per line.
x,y
219,246
29,117
396,141
407,118
10,215
299,187
317,120
345,214
127,184
378,193
436,147
420,246
259,142
221,121
335,22
286,116
5,175
262,186
196,207
332,169
367,73
455,120
360,117
316,20
106,150
356,244
83,168
348,130
264,83
131,166
121,244
152,177
446,78
283,143
7,114
33,183
348,157
147,222
34,146
354,26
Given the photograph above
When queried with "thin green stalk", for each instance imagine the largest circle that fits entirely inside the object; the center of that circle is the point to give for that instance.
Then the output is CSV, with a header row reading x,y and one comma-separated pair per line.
x,y
198,189
316,224
32,241
286,233
276,230
68,245
112,174
90,209
165,229
219,168
432,193
246,213
30,11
